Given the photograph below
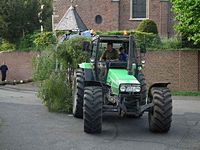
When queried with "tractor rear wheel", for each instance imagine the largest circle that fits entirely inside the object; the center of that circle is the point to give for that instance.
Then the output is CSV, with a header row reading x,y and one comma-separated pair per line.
x,y
93,104
78,92
160,115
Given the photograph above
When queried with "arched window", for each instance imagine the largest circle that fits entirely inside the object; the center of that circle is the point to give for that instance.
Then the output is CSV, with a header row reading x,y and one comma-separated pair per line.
x,y
98,19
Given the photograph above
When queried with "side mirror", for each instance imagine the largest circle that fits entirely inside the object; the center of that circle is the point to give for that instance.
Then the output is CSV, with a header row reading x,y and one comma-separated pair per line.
x,y
143,48
86,46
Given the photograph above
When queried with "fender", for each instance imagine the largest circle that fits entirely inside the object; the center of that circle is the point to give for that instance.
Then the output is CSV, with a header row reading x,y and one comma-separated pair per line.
x,y
161,84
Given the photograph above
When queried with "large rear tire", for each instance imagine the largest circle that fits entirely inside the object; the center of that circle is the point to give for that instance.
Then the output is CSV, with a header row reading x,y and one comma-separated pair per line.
x,y
93,104
78,92
160,115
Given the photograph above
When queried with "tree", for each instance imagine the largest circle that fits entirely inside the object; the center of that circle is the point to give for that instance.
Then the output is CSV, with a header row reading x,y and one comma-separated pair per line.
x,y
20,17
188,17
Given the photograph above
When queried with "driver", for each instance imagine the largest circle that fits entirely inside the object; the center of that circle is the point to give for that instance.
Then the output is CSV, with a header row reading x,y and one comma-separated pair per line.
x,y
110,53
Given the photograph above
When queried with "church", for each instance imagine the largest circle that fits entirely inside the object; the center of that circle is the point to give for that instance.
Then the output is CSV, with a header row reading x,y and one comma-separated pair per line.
x,y
113,15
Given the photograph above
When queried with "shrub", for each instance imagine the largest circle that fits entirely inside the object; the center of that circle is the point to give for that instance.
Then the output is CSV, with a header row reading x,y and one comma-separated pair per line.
x,y
26,43
43,65
44,40
37,41
149,39
148,26
56,87
56,93
6,46
71,52
168,43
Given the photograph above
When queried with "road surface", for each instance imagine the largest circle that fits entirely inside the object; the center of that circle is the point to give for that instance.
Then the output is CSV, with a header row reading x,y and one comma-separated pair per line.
x,y
25,124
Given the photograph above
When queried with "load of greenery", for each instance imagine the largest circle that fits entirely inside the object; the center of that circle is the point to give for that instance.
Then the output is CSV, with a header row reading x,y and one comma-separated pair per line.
x,y
188,17
54,70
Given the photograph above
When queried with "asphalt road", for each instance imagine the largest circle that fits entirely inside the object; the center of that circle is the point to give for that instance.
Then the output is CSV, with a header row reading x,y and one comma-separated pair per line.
x,y
25,124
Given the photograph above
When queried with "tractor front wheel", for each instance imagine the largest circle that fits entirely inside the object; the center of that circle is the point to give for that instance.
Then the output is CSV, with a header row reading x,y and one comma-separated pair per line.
x,y
78,91
142,80
160,115
93,104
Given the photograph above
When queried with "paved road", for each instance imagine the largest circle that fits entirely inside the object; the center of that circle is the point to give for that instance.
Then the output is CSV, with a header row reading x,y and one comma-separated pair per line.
x,y
25,124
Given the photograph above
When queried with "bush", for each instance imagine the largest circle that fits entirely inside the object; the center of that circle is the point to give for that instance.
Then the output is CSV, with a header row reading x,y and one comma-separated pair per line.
x,y
37,41
70,52
6,46
149,39
26,43
43,65
44,40
56,87
171,43
148,26
56,93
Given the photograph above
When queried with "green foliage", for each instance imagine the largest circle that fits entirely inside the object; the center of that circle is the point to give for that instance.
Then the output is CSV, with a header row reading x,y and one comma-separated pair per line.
x,y
70,52
56,93
56,87
149,39
6,46
43,40
148,26
168,43
20,17
37,41
26,43
188,17
43,65
185,93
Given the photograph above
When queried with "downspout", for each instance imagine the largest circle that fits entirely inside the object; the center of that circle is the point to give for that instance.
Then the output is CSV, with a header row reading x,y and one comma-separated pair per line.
x,y
119,4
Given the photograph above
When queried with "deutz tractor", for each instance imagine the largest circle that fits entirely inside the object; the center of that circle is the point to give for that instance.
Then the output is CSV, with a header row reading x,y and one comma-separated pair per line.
x,y
118,86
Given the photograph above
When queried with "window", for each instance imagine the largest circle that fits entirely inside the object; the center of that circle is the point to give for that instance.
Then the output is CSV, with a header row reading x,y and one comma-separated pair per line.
x,y
139,9
98,19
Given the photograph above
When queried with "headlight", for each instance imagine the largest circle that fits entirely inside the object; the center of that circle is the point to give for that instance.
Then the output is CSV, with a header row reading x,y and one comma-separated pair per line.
x,y
122,88
129,88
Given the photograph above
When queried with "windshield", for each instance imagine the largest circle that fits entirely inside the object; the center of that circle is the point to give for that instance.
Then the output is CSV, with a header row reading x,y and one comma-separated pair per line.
x,y
113,51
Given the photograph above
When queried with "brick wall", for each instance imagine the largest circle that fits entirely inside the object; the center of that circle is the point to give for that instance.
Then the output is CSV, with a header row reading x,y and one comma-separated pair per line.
x,y
181,68
88,10
19,64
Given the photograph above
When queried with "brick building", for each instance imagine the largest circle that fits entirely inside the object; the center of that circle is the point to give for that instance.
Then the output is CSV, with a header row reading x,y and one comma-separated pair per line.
x,y
104,15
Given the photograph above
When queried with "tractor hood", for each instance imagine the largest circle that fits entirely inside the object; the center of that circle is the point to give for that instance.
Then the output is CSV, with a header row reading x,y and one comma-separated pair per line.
x,y
118,76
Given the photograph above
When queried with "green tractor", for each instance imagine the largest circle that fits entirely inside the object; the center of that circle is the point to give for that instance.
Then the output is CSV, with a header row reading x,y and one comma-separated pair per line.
x,y
118,86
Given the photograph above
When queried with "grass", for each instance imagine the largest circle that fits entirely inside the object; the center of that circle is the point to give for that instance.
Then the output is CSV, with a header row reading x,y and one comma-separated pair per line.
x,y
184,93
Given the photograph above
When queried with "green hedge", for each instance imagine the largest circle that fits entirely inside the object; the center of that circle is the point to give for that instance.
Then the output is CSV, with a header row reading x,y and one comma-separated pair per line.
x,y
148,26
6,46
38,41
149,39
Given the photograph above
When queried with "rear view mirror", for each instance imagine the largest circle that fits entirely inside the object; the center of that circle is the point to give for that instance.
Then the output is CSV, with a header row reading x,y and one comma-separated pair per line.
x,y
86,46
143,48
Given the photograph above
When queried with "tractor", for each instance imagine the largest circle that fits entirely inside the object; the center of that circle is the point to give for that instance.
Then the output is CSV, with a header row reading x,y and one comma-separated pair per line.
x,y
102,86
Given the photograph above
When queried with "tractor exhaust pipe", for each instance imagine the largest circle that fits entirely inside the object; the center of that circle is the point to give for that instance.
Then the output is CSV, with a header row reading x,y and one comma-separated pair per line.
x,y
131,55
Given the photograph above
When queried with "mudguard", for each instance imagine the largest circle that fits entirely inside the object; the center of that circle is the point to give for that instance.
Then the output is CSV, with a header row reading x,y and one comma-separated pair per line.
x,y
162,84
